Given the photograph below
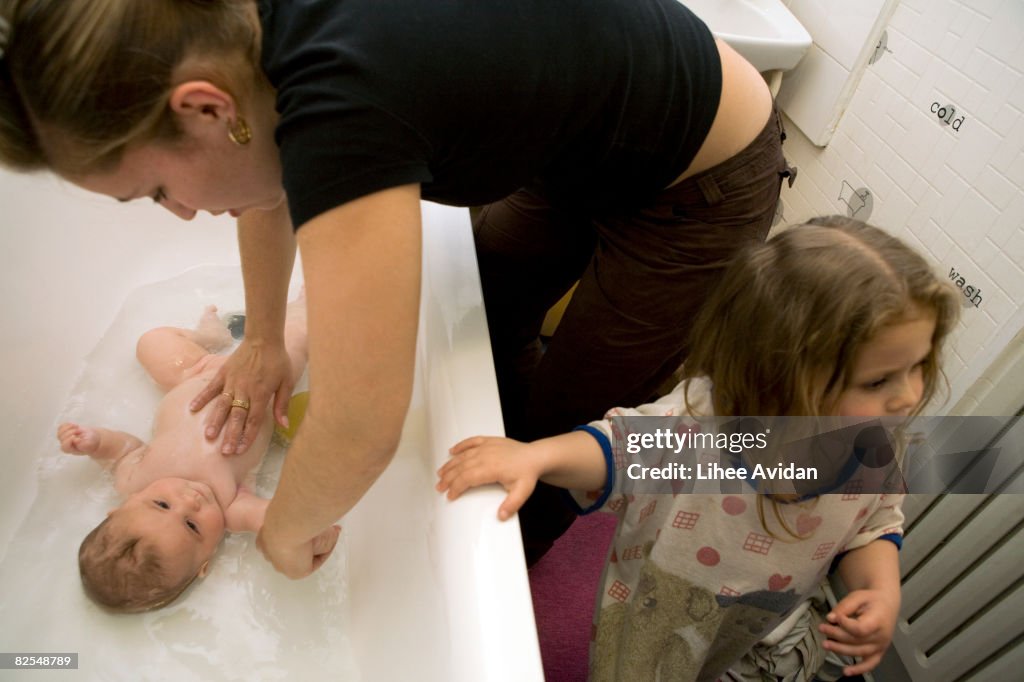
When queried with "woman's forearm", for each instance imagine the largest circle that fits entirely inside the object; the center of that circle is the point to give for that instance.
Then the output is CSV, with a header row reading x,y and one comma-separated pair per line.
x,y
323,477
362,270
266,244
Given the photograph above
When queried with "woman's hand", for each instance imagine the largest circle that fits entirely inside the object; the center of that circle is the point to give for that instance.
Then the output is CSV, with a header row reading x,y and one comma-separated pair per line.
x,y
241,390
861,625
298,560
484,459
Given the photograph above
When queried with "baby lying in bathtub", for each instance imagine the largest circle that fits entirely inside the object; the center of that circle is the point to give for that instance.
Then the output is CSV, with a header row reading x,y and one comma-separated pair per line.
x,y
181,493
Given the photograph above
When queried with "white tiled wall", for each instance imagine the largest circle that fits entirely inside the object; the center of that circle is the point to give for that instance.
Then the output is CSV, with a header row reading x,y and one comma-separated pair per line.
x,y
956,194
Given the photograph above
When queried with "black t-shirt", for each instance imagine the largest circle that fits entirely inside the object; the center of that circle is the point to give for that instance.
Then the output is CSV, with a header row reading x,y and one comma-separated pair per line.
x,y
595,102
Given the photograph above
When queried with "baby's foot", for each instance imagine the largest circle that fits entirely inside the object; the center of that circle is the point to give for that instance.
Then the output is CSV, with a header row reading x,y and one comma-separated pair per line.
x,y
213,335
209,316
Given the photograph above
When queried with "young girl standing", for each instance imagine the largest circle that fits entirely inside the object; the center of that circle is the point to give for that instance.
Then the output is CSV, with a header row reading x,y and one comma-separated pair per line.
x,y
830,318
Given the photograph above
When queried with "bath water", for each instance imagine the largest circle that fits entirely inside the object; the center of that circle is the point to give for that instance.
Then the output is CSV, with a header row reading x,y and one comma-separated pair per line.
x,y
243,621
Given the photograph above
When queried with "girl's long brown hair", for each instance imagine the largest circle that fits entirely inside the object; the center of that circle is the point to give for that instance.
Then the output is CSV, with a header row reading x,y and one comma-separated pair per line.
x,y
779,336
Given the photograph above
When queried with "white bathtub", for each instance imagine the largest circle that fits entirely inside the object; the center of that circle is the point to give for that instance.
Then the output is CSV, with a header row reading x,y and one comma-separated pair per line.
x,y
424,589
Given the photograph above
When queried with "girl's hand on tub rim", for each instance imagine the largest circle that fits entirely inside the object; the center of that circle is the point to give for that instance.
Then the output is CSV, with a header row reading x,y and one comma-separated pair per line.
x,y
482,460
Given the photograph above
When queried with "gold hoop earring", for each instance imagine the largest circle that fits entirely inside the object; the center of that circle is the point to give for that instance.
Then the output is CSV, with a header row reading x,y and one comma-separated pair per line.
x,y
239,132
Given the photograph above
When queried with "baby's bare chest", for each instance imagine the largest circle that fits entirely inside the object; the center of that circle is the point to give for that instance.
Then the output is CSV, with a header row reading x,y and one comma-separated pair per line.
x,y
179,447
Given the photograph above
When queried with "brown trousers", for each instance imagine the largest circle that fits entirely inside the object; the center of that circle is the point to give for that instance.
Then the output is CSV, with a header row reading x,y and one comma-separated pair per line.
x,y
642,277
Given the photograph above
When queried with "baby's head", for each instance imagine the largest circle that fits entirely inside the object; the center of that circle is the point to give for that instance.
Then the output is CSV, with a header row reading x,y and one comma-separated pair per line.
x,y
150,549
831,317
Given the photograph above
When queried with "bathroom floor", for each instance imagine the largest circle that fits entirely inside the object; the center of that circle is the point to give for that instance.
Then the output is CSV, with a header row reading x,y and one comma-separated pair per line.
x,y
564,585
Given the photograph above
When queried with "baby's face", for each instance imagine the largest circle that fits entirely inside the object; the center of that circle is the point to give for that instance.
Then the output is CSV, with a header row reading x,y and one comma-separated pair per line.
x,y
179,518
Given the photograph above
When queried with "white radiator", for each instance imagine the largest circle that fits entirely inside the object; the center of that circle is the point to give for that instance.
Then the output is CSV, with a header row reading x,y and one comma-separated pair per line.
x,y
962,568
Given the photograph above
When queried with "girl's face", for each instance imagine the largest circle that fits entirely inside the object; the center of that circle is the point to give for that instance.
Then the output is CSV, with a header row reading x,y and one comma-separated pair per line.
x,y
888,373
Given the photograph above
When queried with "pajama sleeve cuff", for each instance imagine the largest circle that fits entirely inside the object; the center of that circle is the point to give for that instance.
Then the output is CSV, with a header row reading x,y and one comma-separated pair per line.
x,y
578,498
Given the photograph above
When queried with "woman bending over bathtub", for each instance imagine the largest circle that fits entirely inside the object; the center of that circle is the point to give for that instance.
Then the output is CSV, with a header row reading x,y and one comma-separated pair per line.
x,y
848,321
181,493
613,142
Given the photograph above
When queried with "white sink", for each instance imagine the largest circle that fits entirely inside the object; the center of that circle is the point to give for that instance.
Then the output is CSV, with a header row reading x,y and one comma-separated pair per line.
x,y
763,31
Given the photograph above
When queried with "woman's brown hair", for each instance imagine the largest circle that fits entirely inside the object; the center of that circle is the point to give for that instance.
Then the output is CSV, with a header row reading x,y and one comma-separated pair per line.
x,y
82,79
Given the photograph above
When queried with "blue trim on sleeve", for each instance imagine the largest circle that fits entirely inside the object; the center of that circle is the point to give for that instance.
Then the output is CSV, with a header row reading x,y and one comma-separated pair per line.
x,y
894,538
609,464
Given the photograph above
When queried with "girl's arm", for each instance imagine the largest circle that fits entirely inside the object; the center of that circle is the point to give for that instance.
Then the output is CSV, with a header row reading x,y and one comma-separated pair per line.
x,y
362,266
862,623
572,460
875,566
259,368
581,460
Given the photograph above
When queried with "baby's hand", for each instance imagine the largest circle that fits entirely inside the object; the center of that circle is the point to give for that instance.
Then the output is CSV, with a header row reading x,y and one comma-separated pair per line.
x,y
482,460
861,625
78,440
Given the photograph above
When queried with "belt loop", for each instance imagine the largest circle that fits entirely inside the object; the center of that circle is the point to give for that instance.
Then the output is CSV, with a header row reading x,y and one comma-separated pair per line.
x,y
778,121
789,172
709,188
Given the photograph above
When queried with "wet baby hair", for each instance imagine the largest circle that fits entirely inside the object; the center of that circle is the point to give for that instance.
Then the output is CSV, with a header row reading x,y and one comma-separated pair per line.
x,y
82,79
797,308
123,575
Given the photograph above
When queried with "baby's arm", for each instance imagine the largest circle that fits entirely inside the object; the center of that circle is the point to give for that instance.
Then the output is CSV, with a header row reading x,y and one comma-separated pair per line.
x,y
572,460
245,513
862,623
101,444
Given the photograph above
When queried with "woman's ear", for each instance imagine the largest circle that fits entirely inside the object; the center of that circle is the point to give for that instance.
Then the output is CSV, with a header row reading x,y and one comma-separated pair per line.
x,y
204,100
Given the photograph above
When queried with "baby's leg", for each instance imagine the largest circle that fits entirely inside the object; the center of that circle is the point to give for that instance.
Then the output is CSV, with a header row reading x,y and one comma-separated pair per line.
x,y
168,353
295,339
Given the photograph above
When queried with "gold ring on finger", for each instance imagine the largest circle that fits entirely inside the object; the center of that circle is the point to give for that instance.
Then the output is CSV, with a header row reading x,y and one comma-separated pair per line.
x,y
244,404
